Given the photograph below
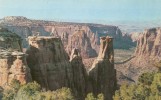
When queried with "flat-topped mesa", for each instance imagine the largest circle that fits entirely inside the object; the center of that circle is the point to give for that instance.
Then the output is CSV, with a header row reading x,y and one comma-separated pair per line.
x,y
106,48
51,44
13,66
49,63
102,74
15,18
9,40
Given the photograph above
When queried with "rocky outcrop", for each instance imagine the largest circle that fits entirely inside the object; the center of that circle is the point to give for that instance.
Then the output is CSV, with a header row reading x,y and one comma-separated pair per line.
x,y
102,75
147,54
49,63
80,78
13,61
13,66
26,27
135,36
64,38
80,41
149,44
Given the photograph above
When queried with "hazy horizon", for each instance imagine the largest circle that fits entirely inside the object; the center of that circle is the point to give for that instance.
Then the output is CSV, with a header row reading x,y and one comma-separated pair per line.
x,y
91,11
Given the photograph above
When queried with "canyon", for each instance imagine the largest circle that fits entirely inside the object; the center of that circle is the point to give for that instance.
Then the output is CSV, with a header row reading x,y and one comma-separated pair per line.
x,y
47,63
147,55
71,34
75,55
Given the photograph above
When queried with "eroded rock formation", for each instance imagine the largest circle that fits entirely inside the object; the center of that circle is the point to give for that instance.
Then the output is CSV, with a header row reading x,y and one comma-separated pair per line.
x,y
25,27
80,41
80,78
13,61
147,54
149,44
102,75
49,63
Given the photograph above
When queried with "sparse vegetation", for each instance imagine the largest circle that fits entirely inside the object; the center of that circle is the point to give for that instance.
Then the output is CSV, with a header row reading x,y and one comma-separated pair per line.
x,y
33,91
122,54
147,88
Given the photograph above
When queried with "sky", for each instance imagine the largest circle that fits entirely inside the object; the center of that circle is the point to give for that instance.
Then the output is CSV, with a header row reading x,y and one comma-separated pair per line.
x,y
98,11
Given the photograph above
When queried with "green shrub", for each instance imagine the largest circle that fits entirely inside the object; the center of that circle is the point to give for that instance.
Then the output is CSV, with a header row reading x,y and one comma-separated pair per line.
x,y
148,88
90,96
33,91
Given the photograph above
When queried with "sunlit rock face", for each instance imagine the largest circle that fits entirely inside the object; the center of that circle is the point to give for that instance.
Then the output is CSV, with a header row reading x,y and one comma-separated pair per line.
x,y
13,61
91,40
149,44
49,63
52,68
146,56
148,49
102,74
81,41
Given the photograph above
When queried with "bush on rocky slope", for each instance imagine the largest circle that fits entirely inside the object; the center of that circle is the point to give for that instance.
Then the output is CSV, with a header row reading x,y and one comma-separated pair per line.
x,y
33,91
147,88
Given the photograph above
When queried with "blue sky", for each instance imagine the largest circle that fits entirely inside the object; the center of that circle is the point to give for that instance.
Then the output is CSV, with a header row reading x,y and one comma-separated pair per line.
x,y
83,10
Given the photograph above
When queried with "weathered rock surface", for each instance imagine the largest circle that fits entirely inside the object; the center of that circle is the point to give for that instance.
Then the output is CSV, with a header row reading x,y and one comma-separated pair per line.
x,y
102,75
147,53
81,41
49,63
13,61
13,66
26,27
135,36
80,77
149,44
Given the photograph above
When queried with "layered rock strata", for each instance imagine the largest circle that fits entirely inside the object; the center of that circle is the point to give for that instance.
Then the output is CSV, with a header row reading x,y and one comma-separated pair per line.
x,y
25,27
13,61
149,44
147,54
80,41
13,66
102,75
49,63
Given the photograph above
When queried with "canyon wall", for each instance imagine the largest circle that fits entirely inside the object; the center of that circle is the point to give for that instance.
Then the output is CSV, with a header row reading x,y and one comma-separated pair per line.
x,y
147,54
26,27
13,61
149,44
